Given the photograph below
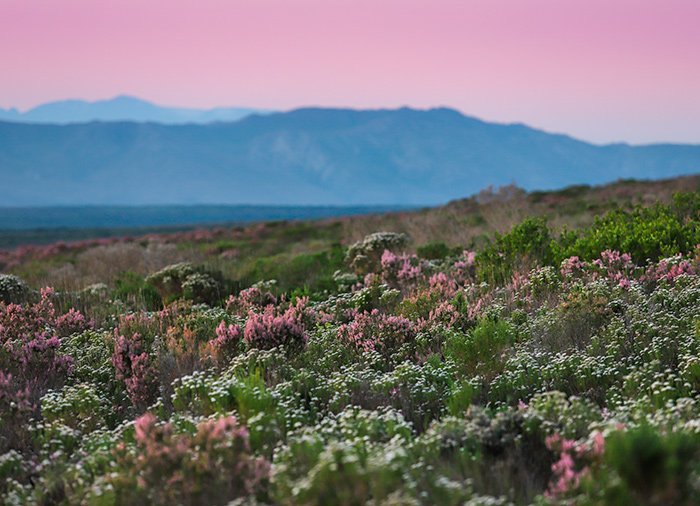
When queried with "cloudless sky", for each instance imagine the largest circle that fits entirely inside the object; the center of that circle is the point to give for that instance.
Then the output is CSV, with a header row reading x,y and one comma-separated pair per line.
x,y
601,70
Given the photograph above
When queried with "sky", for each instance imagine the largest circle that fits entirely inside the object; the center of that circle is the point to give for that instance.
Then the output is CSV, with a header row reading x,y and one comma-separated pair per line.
x,y
600,70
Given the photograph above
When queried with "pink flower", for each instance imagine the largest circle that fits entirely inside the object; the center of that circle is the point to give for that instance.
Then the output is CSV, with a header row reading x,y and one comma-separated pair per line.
x,y
598,443
400,269
377,331
224,346
573,463
143,426
571,266
269,329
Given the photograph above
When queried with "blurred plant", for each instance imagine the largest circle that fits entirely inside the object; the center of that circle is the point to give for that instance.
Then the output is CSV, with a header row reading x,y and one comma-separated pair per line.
x,y
187,281
365,256
212,466
13,289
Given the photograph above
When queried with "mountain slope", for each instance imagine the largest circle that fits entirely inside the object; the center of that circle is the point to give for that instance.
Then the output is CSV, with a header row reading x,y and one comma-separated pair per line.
x,y
320,156
121,108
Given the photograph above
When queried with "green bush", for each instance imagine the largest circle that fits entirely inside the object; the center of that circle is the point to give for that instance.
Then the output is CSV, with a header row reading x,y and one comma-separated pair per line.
x,y
645,233
653,468
434,251
478,352
79,407
307,273
185,280
528,244
132,288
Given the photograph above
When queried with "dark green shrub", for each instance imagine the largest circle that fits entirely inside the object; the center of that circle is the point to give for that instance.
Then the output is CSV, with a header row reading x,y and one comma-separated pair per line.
x,y
132,288
434,251
479,351
654,468
306,273
687,206
528,244
645,233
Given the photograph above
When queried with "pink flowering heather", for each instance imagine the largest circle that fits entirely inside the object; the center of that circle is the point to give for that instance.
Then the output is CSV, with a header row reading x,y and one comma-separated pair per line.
x,y
615,258
572,266
225,345
135,367
469,257
443,285
377,331
29,338
615,266
519,281
476,308
213,466
669,269
302,311
249,299
23,319
72,322
400,269
40,359
269,329
573,464
444,314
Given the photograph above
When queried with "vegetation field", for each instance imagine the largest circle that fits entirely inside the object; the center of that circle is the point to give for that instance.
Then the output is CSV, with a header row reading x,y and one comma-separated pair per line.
x,y
510,348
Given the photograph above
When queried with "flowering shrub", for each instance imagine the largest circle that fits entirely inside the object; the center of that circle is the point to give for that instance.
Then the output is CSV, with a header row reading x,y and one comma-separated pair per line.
x,y
249,299
30,340
572,266
365,256
669,269
136,368
573,464
272,328
79,407
399,270
379,332
226,344
212,466
307,468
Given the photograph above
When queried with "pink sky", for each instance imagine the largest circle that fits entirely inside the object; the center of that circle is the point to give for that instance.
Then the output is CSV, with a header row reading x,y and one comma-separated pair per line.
x,y
602,70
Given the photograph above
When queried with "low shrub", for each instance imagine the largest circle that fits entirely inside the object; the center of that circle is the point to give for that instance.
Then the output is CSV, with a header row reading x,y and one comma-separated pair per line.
x,y
187,281
212,466
13,289
365,256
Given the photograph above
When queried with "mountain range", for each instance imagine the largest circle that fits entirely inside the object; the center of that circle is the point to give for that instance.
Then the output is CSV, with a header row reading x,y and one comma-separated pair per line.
x,y
309,156
122,108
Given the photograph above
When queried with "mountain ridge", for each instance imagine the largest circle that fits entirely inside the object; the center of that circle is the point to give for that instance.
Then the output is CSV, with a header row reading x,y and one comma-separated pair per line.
x,y
311,156
122,108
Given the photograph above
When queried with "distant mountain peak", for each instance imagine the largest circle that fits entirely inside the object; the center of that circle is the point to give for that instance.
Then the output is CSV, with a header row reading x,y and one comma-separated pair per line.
x,y
126,98
123,108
